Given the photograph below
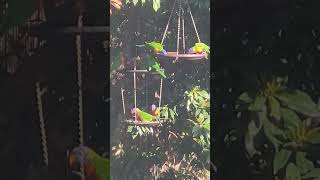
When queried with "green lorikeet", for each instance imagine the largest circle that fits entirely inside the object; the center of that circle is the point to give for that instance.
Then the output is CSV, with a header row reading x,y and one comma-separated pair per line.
x,y
142,116
95,166
199,48
156,47
153,65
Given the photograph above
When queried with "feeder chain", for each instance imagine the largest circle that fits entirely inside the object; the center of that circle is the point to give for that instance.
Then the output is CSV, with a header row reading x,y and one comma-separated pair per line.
x,y
194,24
80,100
135,90
165,32
160,94
123,104
183,34
178,37
42,125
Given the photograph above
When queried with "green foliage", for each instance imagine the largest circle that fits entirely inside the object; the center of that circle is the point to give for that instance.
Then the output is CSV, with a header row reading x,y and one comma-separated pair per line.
x,y
186,134
155,3
279,111
198,107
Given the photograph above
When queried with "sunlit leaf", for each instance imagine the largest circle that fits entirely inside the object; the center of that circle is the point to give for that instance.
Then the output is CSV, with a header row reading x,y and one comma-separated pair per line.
x,y
130,128
156,5
135,2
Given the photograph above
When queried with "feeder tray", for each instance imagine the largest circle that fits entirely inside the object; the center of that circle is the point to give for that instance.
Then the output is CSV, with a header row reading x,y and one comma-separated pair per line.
x,y
182,57
139,123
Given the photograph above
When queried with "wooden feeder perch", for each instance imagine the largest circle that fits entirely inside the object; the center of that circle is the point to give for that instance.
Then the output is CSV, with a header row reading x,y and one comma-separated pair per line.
x,y
131,119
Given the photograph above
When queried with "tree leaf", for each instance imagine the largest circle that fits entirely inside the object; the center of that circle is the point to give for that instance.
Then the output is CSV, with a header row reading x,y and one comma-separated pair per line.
x,y
274,108
299,101
313,173
281,158
245,98
156,5
130,128
313,136
258,104
204,94
290,118
135,2
252,131
271,131
303,163
292,172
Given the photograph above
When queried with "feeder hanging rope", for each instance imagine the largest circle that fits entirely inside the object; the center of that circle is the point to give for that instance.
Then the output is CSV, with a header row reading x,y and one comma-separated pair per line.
x,y
80,100
178,37
160,95
42,125
135,90
192,19
194,24
165,32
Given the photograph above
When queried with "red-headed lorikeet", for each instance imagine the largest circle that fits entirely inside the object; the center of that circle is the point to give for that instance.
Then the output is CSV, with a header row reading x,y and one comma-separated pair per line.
x,y
142,116
155,111
95,166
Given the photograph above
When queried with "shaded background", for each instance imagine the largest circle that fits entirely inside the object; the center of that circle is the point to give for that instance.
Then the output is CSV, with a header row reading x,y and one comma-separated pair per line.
x,y
34,52
254,39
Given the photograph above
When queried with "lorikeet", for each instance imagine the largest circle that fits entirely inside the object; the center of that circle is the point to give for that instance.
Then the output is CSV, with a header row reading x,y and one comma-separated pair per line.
x,y
199,48
155,111
156,47
142,116
95,166
154,66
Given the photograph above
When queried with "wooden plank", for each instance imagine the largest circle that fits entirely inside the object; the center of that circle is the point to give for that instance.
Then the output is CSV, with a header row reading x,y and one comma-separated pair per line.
x,y
85,29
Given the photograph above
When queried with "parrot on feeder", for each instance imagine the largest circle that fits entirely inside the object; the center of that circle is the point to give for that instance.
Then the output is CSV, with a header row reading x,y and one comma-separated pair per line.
x,y
95,166
156,47
155,111
154,66
142,116
199,48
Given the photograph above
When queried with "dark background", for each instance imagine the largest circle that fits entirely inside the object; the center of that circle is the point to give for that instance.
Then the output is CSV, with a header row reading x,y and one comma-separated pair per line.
x,y
247,44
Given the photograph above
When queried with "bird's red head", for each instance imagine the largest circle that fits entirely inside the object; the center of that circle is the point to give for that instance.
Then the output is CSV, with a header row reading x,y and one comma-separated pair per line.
x,y
154,110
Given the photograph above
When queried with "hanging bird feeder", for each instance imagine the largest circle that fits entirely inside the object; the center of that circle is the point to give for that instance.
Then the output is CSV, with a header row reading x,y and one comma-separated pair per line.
x,y
181,55
130,112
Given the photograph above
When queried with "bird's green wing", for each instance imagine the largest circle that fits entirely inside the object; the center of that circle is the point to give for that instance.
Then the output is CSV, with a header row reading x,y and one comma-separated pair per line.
x,y
101,164
156,67
153,65
146,117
